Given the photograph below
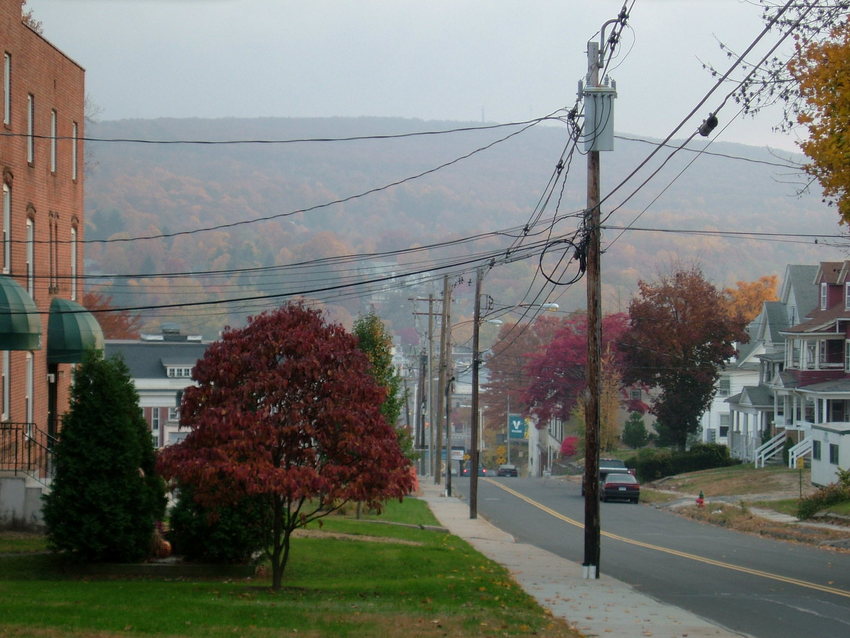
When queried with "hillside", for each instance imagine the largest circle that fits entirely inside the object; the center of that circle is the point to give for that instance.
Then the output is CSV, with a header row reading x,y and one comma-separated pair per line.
x,y
143,189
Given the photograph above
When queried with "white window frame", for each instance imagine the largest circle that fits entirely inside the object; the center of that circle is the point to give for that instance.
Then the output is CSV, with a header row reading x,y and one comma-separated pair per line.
x,y
53,140
7,88
155,419
30,375
73,263
74,135
30,255
173,414
823,295
30,128
5,366
7,228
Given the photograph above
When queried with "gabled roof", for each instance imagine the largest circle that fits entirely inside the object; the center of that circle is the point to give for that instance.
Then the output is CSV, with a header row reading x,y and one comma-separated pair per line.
x,y
757,396
148,359
799,284
822,320
830,272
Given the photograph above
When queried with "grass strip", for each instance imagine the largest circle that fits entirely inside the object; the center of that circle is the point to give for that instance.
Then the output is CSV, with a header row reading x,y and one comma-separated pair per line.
x,y
364,580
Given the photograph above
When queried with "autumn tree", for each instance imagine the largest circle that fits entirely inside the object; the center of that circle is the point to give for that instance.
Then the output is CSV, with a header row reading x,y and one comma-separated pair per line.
x,y
746,300
286,410
506,362
116,324
374,340
822,71
610,400
106,496
557,372
680,338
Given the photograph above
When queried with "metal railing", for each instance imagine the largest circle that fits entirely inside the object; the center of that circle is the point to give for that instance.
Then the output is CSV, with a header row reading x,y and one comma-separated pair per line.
x,y
26,449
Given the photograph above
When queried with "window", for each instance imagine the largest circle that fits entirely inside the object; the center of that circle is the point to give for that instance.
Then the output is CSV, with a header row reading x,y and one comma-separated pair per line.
x,y
31,128
74,135
53,253
7,89
28,399
635,394
847,355
7,228
724,386
155,418
73,263
847,296
53,141
30,255
173,414
833,454
725,422
176,373
5,381
816,450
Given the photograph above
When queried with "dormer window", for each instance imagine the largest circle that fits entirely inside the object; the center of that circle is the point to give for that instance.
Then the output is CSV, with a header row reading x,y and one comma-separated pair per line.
x,y
823,295
179,372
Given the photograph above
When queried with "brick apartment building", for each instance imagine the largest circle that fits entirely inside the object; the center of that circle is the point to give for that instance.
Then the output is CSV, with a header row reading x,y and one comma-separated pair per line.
x,y
43,329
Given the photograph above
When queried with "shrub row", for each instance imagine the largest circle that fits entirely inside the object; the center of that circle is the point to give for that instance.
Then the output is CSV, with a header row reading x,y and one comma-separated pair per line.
x,y
651,465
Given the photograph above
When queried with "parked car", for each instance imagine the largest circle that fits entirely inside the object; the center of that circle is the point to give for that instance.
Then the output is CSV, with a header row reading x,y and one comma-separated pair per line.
x,y
606,466
482,471
619,486
506,469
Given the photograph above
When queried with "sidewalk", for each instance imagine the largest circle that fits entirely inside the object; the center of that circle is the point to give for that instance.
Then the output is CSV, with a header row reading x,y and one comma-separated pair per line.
x,y
595,607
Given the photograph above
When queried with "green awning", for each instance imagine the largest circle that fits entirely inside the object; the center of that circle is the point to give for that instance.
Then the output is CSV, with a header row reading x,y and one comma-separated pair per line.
x,y
20,324
71,331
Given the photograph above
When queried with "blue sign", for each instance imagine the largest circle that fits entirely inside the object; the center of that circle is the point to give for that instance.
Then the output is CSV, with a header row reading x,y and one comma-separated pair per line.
x,y
516,426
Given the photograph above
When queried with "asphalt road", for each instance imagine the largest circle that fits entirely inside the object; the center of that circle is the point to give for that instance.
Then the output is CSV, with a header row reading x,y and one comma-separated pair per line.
x,y
755,586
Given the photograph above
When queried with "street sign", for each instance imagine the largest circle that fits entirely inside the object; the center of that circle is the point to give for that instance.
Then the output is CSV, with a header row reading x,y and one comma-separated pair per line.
x,y
516,426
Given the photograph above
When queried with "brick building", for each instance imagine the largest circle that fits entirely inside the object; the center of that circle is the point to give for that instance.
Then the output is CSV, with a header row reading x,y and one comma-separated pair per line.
x,y
43,329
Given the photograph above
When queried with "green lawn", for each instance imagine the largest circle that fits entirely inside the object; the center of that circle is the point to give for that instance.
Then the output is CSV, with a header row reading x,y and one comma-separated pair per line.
x,y
395,580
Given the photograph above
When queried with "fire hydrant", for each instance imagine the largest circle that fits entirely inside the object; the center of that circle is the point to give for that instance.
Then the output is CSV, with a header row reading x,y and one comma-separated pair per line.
x,y
701,499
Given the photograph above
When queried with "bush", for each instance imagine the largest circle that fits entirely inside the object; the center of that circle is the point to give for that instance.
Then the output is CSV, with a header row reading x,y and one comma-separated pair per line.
x,y
651,465
635,434
226,534
832,494
106,497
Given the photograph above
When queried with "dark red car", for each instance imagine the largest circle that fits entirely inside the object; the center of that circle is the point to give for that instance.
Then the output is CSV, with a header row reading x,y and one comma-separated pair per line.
x,y
618,486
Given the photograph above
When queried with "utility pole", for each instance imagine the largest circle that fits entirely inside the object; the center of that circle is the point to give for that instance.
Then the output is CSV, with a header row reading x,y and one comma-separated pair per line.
x,y
590,566
473,476
598,131
431,461
444,365
449,434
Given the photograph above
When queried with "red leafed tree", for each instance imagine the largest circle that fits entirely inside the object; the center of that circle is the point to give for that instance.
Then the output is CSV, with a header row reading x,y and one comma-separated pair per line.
x,y
116,324
285,410
681,336
506,363
558,372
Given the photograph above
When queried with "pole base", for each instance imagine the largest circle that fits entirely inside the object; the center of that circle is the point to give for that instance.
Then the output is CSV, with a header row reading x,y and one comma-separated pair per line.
x,y
590,571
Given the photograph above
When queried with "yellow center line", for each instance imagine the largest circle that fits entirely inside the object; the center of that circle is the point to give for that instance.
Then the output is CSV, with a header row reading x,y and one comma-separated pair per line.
x,y
674,552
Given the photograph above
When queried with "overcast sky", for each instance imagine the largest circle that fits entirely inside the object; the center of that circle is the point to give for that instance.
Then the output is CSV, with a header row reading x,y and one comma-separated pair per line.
x,y
460,60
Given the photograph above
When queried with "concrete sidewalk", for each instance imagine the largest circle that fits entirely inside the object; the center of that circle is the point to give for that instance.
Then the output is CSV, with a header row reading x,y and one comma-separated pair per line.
x,y
595,607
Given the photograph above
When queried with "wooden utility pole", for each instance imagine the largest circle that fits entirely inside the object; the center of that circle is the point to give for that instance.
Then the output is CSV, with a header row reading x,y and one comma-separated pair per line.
x,y
473,476
590,566
441,384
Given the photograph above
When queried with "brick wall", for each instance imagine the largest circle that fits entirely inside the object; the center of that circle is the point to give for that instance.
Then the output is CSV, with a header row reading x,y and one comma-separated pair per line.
x,y
52,200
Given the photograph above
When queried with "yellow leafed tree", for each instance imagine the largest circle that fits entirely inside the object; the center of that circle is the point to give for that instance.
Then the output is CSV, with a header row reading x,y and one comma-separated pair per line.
x,y
746,300
822,70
